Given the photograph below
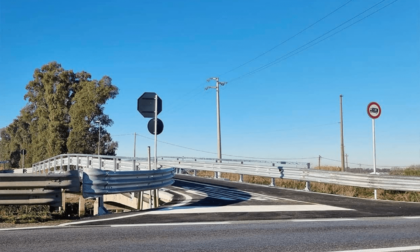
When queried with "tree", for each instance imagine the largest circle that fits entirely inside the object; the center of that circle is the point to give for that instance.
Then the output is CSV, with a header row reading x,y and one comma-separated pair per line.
x,y
87,108
60,116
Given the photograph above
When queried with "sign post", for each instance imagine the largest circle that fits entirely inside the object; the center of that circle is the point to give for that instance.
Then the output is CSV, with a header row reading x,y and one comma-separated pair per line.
x,y
155,131
150,105
374,111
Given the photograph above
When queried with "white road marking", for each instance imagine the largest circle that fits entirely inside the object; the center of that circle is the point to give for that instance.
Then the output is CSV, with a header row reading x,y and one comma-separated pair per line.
x,y
412,217
26,228
319,220
174,224
237,190
186,201
240,209
384,249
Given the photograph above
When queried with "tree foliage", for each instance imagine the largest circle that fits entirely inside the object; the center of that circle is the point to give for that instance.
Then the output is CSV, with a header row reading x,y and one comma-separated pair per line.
x,y
60,117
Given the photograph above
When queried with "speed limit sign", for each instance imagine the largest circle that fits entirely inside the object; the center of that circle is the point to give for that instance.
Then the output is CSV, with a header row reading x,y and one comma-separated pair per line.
x,y
374,110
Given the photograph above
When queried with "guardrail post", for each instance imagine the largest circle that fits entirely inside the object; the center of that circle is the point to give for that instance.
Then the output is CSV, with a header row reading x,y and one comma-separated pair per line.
x,y
308,184
98,206
241,178
82,208
87,162
77,162
273,182
49,165
115,164
68,163
195,173
63,200
140,201
100,163
61,163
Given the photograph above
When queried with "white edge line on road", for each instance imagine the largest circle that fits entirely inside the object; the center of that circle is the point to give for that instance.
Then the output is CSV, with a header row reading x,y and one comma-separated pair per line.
x,y
384,249
26,228
412,217
173,224
318,220
186,201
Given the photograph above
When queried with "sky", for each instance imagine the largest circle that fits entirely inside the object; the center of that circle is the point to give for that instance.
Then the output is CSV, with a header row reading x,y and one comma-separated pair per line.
x,y
286,64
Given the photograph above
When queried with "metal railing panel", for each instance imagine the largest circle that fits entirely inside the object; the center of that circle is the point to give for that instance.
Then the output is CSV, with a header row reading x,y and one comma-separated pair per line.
x,y
67,180
31,197
99,182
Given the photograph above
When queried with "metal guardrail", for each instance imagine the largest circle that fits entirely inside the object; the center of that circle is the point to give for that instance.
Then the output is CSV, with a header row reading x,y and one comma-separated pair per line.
x,y
62,162
271,169
257,170
31,197
235,161
375,181
39,189
68,181
99,182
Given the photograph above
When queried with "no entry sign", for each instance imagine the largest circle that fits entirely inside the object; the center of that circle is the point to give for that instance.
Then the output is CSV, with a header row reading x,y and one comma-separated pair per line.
x,y
374,110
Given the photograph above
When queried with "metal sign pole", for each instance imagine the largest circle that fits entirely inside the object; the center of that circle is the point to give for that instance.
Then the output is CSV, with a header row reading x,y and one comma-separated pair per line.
x,y
156,109
150,168
155,194
374,152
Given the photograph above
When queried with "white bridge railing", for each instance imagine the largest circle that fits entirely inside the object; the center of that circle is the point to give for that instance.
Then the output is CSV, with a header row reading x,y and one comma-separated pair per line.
x,y
272,169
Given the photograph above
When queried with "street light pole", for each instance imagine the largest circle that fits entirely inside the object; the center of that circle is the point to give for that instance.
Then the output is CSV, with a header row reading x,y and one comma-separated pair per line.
x,y
99,139
219,138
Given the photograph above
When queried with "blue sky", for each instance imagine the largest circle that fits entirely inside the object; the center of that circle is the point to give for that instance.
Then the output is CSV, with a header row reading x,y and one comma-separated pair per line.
x,y
289,110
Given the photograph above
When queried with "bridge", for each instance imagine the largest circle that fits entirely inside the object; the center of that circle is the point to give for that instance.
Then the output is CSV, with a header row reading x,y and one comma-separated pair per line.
x,y
132,182
173,198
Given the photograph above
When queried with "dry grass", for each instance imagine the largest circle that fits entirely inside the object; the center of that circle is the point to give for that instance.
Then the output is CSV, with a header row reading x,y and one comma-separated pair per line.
x,y
18,214
413,170
350,191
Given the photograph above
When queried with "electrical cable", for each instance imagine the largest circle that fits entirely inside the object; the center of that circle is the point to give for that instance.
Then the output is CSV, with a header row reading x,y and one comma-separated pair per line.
x,y
308,44
288,39
271,49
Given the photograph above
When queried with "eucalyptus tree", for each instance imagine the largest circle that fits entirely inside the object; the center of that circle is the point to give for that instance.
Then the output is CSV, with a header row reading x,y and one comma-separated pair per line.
x,y
60,116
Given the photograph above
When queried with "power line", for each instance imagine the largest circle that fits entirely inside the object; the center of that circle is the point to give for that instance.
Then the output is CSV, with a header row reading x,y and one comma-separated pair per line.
x,y
209,152
309,45
288,39
269,50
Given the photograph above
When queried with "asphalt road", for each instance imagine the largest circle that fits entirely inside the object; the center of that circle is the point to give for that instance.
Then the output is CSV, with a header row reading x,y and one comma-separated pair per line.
x,y
284,235
204,200
217,215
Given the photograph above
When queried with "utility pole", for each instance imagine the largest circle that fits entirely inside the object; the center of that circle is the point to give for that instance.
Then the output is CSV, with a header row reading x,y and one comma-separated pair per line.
x,y
135,144
319,162
342,137
219,138
347,160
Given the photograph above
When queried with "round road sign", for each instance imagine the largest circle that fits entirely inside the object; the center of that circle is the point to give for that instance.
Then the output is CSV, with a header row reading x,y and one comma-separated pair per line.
x,y
374,110
151,126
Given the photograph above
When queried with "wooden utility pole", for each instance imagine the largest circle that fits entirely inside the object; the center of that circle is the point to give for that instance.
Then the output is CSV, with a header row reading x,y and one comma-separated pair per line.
x,y
319,162
342,137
